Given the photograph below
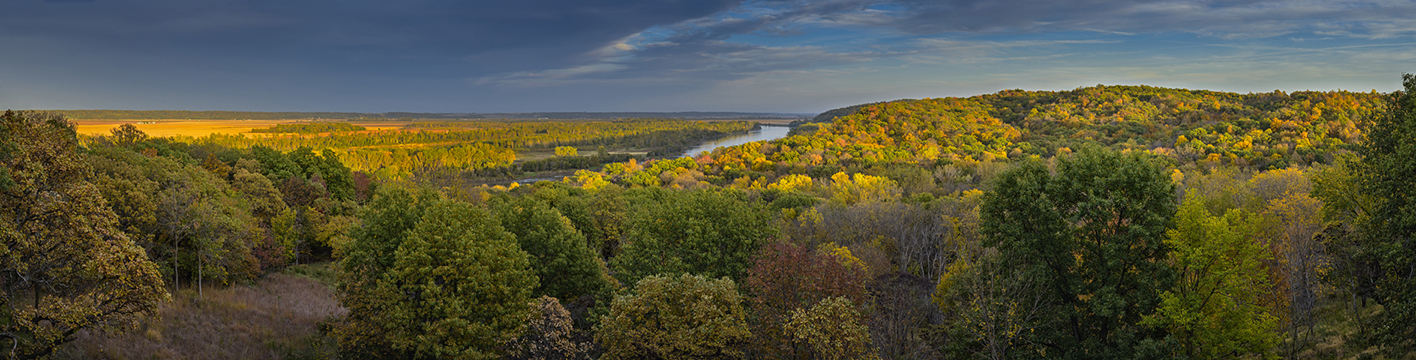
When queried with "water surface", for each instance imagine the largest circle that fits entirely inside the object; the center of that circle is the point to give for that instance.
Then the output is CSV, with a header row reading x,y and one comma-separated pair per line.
x,y
768,132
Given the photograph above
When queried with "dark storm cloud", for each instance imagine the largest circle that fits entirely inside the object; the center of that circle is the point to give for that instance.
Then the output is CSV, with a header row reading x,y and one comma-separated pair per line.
x,y
367,33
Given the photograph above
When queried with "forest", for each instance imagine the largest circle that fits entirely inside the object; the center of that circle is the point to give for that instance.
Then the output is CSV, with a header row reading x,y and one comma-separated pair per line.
x,y
463,149
1096,223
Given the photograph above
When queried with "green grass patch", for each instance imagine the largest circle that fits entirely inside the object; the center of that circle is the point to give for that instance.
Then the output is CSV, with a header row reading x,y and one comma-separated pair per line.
x,y
323,272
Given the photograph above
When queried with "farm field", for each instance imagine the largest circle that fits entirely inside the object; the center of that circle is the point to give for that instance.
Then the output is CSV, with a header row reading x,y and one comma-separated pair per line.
x,y
198,128
399,148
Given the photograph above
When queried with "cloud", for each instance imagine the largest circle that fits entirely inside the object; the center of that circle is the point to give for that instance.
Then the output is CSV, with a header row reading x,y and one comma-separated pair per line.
x,y
487,55
361,33
1225,19
934,31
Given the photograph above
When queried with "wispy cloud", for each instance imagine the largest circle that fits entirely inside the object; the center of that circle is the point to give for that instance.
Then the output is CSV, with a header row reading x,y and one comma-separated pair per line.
x,y
946,31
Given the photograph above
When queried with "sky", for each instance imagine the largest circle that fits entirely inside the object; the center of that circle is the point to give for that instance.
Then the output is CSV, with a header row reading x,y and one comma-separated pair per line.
x,y
784,56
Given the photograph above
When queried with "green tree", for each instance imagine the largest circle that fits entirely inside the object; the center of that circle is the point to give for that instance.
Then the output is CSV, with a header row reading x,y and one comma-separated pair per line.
x,y
713,232
276,166
209,227
992,311
189,220
364,270
610,217
264,199
1352,267
568,268
1093,233
461,285
339,179
1215,310
64,263
127,134
1387,167
130,192
285,234
676,317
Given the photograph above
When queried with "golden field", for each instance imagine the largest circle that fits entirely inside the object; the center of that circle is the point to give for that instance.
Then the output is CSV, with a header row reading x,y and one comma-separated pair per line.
x,y
188,127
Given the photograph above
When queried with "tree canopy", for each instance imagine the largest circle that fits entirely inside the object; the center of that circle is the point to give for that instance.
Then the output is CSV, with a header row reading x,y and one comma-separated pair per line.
x,y
1094,233
64,263
713,233
1387,167
455,284
676,317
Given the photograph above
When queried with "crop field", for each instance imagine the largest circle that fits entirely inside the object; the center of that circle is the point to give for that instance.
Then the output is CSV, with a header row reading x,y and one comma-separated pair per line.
x,y
196,128
396,149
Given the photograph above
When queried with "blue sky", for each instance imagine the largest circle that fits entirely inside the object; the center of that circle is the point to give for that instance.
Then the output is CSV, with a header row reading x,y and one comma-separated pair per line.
x,y
672,55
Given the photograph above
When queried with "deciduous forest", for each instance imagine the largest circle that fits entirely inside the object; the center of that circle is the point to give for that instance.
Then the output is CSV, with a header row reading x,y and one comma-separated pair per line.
x,y
1097,223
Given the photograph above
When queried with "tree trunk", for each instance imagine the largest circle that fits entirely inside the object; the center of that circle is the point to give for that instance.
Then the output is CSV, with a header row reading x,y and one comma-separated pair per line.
x,y
176,278
199,276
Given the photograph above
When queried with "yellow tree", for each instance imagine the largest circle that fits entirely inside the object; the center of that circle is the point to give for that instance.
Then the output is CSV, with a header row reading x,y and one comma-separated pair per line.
x,y
862,188
567,151
1214,310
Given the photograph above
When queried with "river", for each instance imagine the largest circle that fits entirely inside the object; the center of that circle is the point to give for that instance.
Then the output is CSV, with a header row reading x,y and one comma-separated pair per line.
x,y
768,132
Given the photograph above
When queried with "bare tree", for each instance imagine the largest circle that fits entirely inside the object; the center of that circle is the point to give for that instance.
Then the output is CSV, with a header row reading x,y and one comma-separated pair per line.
x,y
995,308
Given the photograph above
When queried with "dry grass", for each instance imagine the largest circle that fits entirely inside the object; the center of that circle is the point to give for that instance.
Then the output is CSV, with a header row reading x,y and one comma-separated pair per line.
x,y
202,127
277,318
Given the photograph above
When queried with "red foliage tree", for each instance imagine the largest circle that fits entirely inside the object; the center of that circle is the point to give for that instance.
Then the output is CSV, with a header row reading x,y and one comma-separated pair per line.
x,y
788,277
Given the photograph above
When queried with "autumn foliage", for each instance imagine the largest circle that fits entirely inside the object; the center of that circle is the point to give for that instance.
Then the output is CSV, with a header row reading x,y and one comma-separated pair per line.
x,y
789,277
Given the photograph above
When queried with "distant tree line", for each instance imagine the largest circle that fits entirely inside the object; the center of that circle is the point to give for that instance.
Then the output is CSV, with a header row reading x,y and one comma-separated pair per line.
x,y
310,128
